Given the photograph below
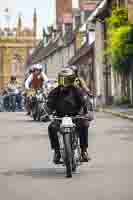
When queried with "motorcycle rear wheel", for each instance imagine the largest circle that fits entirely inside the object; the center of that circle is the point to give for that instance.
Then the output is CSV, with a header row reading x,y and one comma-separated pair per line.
x,y
34,117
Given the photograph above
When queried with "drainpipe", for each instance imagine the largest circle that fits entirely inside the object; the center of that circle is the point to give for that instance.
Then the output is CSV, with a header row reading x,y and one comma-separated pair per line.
x,y
131,87
106,66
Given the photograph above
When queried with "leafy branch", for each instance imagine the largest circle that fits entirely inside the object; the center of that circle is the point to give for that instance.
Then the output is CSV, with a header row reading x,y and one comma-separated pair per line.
x,y
120,33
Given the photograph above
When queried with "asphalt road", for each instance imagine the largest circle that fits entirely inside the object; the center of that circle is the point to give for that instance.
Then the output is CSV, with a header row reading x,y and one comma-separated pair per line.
x,y
27,171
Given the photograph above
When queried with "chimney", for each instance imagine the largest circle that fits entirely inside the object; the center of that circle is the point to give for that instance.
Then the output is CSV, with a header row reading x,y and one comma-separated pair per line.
x,y
67,26
62,6
90,33
50,29
45,41
87,7
76,18
54,33
49,34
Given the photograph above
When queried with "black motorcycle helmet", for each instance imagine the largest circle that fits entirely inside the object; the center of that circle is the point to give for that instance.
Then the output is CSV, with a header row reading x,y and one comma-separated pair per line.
x,y
66,77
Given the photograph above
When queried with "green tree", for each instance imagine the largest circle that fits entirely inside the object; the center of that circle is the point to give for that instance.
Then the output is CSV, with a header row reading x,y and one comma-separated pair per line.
x,y
120,33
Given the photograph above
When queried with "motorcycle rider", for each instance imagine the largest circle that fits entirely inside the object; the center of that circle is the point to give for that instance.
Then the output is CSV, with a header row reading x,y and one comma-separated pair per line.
x,y
14,87
36,80
27,101
66,99
79,81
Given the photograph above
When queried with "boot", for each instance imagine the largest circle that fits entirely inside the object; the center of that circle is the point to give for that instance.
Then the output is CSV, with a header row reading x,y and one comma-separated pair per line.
x,y
28,113
45,118
84,155
57,157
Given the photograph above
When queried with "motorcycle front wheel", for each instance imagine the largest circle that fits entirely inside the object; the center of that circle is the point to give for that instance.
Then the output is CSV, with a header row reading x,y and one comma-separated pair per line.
x,y
68,155
13,103
34,113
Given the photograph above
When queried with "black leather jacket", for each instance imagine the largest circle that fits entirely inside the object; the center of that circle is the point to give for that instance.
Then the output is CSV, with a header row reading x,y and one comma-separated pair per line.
x,y
66,101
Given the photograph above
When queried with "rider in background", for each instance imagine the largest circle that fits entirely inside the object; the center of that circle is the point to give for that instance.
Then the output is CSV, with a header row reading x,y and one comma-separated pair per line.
x,y
13,84
37,79
79,81
14,87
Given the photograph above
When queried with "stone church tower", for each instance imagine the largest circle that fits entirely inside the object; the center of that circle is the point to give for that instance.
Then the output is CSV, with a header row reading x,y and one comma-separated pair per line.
x,y
15,45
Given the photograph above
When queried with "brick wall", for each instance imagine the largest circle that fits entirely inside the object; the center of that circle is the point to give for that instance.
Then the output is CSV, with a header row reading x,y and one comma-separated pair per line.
x,y
63,6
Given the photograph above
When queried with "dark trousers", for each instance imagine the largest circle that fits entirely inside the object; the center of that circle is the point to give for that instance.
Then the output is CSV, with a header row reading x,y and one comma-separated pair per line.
x,y
53,129
19,101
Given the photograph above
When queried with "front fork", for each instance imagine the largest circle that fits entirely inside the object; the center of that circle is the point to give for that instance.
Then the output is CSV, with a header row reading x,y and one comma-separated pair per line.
x,y
76,151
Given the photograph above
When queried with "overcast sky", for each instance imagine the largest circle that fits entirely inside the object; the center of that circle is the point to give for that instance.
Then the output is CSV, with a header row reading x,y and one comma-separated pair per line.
x,y
45,11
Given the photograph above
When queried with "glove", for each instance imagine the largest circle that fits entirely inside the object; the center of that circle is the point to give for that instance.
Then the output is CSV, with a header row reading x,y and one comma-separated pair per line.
x,y
89,116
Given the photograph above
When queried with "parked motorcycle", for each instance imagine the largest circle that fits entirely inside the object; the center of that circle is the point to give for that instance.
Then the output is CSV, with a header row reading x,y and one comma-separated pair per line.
x,y
69,142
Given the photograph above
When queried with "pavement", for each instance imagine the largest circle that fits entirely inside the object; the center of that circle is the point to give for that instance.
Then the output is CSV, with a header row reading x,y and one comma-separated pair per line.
x,y
27,171
119,111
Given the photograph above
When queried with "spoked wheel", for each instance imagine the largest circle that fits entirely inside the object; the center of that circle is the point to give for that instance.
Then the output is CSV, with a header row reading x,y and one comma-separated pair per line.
x,y
76,159
74,167
13,103
39,112
34,112
68,155
34,116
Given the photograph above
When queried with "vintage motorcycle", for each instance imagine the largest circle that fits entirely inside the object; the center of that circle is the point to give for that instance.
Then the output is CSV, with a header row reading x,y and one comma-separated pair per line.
x,y
38,102
42,114
69,142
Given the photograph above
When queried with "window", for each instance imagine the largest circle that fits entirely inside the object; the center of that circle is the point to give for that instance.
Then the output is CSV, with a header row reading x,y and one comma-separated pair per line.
x,y
86,14
77,21
68,28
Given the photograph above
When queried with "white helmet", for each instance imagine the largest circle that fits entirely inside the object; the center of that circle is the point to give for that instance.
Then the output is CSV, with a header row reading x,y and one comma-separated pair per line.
x,y
66,66
38,67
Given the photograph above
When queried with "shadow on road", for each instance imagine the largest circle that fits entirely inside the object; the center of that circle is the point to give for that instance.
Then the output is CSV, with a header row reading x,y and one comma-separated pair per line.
x,y
31,121
38,173
57,172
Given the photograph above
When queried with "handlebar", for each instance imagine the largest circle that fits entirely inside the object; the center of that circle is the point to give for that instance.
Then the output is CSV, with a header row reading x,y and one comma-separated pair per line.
x,y
72,117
